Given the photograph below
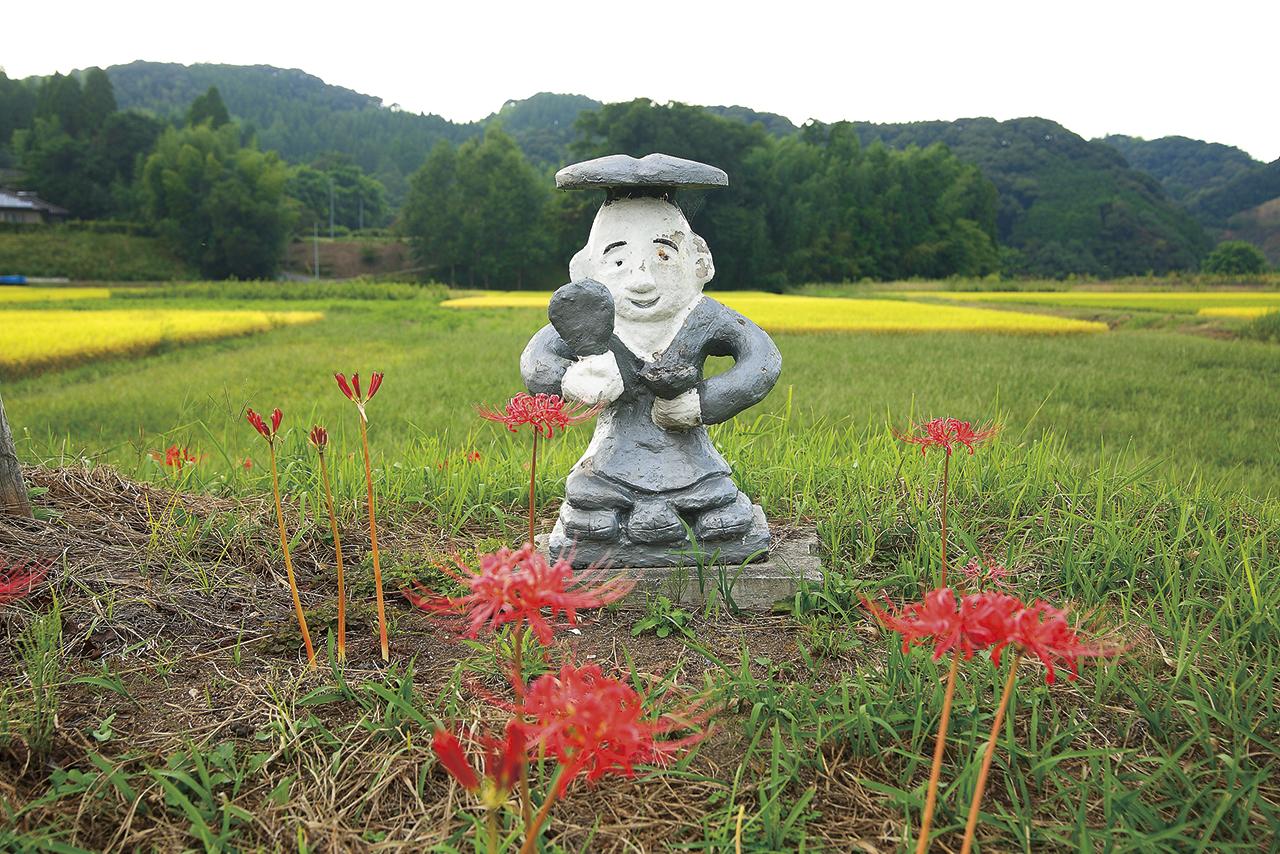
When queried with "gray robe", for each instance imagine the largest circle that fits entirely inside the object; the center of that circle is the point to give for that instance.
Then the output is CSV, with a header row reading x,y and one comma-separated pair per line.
x,y
628,448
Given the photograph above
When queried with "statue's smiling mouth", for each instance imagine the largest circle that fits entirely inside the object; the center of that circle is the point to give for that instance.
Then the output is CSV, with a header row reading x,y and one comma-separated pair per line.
x,y
645,303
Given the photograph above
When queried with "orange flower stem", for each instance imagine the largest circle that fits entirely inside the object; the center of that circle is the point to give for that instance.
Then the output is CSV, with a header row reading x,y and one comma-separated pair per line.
x,y
337,547
517,663
972,824
373,540
491,825
288,561
533,469
531,830
946,489
940,743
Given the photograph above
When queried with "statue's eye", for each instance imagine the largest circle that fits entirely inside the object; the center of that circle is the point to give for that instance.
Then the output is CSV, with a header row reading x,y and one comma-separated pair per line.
x,y
618,262
662,253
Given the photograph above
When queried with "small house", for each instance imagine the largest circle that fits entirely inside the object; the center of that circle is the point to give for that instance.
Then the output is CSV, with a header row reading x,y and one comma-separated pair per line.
x,y
25,206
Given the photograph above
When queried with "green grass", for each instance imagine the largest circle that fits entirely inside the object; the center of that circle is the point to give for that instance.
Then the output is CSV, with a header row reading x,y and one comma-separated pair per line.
x,y
1088,495
1196,406
89,256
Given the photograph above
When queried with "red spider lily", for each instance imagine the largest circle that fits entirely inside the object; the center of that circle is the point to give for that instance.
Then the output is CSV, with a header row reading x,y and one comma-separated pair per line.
x,y
19,579
936,617
979,573
991,621
352,389
174,457
473,457
503,760
247,464
545,413
946,433
988,620
1042,630
595,725
319,438
515,586
268,433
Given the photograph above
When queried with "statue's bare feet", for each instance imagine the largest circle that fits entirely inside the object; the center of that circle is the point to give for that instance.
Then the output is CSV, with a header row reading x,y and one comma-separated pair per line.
x,y
655,520
726,523
588,524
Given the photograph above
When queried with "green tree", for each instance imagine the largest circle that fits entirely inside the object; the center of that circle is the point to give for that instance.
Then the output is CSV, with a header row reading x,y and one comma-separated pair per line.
x,y
208,108
98,100
17,111
489,224
1235,258
432,215
220,205
359,201
61,98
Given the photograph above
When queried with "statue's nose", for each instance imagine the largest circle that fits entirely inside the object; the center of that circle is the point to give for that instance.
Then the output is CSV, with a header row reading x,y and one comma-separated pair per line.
x,y
642,276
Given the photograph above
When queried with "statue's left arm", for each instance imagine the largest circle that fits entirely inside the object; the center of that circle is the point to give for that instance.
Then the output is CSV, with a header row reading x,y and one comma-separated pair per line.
x,y
757,364
544,362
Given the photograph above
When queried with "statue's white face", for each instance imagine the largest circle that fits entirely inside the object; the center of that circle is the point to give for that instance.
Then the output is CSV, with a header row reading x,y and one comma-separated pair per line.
x,y
644,252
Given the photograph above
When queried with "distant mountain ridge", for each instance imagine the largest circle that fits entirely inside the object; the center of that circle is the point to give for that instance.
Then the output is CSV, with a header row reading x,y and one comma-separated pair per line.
x,y
1228,192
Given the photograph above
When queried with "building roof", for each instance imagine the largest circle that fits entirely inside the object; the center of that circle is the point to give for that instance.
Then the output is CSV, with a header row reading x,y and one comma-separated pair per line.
x,y
27,201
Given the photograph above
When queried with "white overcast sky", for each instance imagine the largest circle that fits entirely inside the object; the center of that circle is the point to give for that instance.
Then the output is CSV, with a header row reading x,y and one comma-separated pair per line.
x,y
1207,70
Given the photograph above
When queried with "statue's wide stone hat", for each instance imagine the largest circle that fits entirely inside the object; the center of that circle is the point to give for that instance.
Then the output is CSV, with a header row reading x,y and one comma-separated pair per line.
x,y
653,174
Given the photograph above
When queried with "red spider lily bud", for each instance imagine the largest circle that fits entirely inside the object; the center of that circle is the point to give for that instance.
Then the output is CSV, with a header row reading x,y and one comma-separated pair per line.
x,y
256,420
342,384
374,383
276,417
504,759
449,752
319,437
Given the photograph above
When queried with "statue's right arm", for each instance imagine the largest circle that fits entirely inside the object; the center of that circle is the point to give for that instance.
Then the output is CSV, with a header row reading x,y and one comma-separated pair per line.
x,y
544,361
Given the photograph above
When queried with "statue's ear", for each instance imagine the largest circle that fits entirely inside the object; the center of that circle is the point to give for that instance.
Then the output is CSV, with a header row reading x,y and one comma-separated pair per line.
x,y
703,265
580,265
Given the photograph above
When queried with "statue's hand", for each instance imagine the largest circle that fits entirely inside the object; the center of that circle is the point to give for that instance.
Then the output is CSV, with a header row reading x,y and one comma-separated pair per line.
x,y
582,314
593,380
678,413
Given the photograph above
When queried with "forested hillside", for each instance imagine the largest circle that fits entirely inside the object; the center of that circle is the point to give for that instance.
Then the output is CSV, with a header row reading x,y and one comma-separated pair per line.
x,y
1186,168
1065,203
1228,192
294,113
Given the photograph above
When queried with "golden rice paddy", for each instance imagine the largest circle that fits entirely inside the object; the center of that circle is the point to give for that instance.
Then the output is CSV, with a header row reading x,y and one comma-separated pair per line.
x,y
1188,302
1240,312
38,337
791,313
20,293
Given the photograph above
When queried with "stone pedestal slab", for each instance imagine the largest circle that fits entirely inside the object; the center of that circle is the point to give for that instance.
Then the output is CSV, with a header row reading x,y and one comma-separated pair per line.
x,y
794,557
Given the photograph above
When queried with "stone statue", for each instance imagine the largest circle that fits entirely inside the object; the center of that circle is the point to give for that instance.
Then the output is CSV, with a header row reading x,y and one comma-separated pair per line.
x,y
631,333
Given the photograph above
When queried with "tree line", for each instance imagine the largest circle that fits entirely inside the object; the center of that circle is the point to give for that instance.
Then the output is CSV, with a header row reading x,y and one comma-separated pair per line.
x,y
817,206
